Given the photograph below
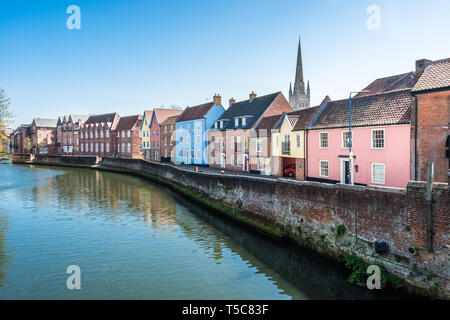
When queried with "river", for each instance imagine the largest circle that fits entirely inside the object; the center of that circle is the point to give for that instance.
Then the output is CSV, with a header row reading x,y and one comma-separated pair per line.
x,y
133,239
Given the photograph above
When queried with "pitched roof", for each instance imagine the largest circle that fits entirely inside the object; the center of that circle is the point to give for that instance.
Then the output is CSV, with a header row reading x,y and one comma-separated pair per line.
x,y
107,117
253,108
380,109
170,120
397,82
435,76
78,117
269,122
45,123
196,112
304,117
127,123
163,114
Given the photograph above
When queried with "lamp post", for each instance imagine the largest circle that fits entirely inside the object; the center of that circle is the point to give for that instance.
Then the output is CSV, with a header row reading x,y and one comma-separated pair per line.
x,y
350,140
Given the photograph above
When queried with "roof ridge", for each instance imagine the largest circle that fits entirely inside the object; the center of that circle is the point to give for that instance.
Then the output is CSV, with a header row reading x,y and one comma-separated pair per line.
x,y
374,94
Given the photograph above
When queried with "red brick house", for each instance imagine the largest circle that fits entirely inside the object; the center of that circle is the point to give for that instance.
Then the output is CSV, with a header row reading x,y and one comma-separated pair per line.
x,y
20,139
128,140
430,119
229,138
97,135
168,139
43,136
68,133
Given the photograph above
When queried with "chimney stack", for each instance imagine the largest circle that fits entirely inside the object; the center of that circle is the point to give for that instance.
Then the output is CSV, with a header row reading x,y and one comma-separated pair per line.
x,y
231,101
420,67
252,95
217,99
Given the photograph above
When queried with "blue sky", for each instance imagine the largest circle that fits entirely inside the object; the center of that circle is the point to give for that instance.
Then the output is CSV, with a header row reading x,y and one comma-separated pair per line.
x,y
135,55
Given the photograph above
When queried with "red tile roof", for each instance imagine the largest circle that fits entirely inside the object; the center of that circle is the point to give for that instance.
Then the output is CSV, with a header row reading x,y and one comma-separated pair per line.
x,y
435,76
397,82
127,123
197,112
269,122
163,114
380,109
304,117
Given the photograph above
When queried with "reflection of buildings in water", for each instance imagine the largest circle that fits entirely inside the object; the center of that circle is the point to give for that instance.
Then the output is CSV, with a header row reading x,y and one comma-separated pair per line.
x,y
4,257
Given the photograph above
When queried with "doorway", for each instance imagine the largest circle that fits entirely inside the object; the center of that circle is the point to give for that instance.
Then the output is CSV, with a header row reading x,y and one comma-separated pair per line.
x,y
245,162
345,172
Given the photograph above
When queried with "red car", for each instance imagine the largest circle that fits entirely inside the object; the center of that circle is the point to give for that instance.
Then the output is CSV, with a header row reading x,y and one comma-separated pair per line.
x,y
289,171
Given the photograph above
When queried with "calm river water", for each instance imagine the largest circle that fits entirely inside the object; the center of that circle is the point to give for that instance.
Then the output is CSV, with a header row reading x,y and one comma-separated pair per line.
x,y
133,239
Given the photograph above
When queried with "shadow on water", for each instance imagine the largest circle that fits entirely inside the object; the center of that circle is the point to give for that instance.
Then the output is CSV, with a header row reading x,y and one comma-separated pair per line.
x,y
299,273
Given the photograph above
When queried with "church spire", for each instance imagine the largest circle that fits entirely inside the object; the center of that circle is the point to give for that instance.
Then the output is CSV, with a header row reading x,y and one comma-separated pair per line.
x,y
299,71
299,96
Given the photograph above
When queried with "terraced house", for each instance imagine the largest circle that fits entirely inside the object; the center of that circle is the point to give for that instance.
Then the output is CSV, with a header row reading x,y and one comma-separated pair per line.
x,y
289,139
68,133
151,131
380,140
230,136
261,161
168,139
192,131
43,136
128,138
430,139
97,135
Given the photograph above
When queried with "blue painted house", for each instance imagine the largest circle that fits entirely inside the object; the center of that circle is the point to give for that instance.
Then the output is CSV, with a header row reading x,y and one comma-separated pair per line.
x,y
192,131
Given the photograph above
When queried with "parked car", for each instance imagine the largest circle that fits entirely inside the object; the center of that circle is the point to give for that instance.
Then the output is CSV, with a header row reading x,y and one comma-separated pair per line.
x,y
289,171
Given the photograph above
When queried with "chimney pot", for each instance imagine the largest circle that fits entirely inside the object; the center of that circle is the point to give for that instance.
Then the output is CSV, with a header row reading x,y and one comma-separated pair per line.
x,y
252,95
231,101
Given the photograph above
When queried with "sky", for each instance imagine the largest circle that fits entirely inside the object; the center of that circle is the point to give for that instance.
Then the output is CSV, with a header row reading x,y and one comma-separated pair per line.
x,y
130,56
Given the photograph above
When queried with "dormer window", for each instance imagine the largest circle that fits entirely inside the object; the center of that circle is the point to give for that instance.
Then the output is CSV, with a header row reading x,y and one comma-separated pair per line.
x,y
244,122
215,125
221,124
236,122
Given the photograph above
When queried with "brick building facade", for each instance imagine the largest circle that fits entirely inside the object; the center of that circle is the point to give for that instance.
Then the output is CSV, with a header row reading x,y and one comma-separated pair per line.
x,y
97,135
229,139
127,137
168,139
430,120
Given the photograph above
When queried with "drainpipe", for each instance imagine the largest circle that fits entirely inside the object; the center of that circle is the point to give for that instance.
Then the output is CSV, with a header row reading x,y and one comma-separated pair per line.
x,y
429,206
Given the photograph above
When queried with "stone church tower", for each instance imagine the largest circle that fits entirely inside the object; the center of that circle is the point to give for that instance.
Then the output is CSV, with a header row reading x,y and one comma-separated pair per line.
x,y
299,98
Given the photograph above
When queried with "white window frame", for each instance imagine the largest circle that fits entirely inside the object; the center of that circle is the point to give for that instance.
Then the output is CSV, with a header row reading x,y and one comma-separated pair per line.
x,y
197,139
232,160
372,173
320,140
236,122
258,145
244,121
320,168
298,140
342,139
371,139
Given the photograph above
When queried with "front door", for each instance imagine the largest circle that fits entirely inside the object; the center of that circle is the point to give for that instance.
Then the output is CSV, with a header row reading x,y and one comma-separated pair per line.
x,y
245,162
267,166
345,172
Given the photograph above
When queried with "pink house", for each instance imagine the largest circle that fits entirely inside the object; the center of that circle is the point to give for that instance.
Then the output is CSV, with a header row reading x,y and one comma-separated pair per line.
x,y
381,140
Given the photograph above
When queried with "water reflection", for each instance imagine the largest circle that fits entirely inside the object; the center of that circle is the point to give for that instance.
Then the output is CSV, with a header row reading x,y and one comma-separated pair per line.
x,y
156,239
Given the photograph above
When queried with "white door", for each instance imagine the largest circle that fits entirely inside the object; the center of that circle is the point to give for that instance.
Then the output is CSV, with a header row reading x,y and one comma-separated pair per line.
x,y
267,166
222,160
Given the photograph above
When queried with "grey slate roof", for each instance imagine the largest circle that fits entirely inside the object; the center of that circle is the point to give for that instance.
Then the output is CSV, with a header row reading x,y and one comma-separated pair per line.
x,y
45,123
374,110
252,108
435,76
